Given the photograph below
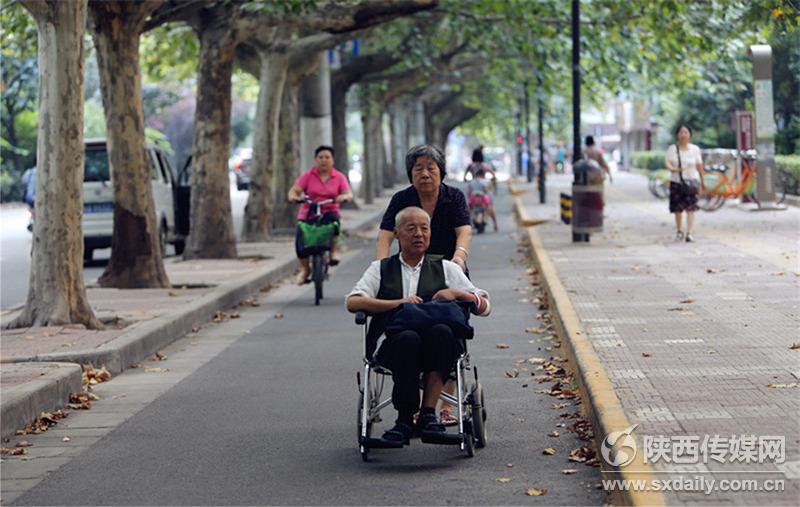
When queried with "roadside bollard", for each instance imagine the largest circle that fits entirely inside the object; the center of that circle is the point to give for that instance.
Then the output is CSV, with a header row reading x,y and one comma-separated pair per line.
x,y
587,200
566,208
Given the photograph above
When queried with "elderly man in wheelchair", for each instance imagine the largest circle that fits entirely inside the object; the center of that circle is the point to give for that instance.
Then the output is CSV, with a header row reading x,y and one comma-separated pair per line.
x,y
421,303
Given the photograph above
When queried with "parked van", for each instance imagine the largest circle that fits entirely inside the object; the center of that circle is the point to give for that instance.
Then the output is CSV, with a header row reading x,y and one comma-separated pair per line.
x,y
98,199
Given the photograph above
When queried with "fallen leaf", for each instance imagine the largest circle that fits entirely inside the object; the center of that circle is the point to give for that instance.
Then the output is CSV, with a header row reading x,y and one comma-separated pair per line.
x,y
509,465
235,315
553,434
24,443
535,330
646,354
549,451
568,471
65,439
687,301
536,360
559,406
13,452
220,316
278,315
513,373
711,270
794,346
135,365
783,386
161,356
156,370
503,480
502,345
536,492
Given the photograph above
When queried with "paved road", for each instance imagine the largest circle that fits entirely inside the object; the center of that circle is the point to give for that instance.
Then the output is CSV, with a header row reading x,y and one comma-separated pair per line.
x,y
261,410
15,247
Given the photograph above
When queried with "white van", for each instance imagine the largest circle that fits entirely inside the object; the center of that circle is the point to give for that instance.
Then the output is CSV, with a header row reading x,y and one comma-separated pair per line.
x,y
98,199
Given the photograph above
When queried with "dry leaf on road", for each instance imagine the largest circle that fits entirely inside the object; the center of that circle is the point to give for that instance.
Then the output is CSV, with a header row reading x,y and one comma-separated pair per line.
x,y
503,480
553,434
13,452
278,315
24,443
783,386
794,346
549,451
687,301
569,471
502,345
156,370
536,492
646,354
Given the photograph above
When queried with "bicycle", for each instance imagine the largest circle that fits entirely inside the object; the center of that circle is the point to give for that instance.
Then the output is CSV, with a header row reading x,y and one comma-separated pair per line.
x,y
658,183
317,241
719,187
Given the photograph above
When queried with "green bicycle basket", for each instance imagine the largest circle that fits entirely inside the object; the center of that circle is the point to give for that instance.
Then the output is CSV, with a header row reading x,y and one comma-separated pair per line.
x,y
316,236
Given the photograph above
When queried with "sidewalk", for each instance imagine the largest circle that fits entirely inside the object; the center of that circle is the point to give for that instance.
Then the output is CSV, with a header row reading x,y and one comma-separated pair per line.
x,y
694,338
139,322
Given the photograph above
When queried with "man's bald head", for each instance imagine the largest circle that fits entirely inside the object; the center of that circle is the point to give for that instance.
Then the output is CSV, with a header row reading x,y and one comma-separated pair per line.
x,y
406,213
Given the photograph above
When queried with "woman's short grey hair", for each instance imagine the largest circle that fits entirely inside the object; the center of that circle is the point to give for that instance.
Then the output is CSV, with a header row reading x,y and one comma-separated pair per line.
x,y
400,217
425,150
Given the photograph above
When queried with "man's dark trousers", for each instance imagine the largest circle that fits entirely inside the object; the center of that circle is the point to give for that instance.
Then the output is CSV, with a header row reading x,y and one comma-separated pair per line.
x,y
409,353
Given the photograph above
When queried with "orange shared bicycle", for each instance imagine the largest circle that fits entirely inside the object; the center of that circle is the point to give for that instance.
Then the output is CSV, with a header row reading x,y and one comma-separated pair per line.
x,y
719,185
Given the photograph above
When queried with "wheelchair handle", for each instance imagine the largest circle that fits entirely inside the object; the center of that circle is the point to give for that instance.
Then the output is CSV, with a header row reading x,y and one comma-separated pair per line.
x,y
361,318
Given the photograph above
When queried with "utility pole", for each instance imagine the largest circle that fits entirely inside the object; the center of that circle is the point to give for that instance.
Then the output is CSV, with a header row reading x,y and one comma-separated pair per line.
x,y
540,107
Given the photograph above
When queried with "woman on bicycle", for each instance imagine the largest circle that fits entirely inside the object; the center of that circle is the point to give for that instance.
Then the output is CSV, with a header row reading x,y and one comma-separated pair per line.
x,y
319,183
685,162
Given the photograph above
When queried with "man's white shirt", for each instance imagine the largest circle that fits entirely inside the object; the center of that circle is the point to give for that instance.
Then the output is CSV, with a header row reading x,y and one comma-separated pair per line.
x,y
454,278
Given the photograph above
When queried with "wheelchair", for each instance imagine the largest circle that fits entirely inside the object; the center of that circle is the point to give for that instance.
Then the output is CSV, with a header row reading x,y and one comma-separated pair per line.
x,y
469,400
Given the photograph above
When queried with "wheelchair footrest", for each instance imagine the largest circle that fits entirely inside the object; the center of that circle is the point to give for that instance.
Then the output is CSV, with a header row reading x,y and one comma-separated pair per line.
x,y
378,443
441,438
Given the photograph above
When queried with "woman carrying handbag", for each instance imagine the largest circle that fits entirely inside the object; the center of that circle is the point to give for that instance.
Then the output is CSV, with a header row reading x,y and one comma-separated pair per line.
x,y
685,162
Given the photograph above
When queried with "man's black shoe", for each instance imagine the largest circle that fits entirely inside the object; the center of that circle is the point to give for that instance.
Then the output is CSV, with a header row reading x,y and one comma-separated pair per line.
x,y
429,423
400,433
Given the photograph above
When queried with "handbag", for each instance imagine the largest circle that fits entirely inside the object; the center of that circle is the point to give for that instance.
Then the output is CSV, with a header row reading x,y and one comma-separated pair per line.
x,y
421,317
688,186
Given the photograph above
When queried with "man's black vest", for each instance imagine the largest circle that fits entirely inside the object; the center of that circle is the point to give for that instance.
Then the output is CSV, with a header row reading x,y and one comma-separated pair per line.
x,y
431,281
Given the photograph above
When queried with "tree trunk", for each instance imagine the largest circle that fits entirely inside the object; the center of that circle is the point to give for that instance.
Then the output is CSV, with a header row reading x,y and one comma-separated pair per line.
x,y
211,235
339,121
56,291
315,110
258,212
372,169
136,260
289,158
385,149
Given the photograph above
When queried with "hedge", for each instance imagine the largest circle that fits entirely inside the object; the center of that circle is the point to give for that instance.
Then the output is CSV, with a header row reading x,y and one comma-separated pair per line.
x,y
650,160
788,163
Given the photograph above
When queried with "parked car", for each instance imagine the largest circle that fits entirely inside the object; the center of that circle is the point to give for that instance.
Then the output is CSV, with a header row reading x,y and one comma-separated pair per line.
x,y
98,199
242,165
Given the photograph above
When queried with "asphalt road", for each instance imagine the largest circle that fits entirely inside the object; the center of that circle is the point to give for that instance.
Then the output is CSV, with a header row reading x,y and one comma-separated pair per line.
x,y
270,419
15,247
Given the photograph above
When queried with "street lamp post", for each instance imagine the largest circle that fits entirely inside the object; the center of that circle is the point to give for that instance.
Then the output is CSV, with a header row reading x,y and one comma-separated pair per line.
x,y
528,172
540,107
578,176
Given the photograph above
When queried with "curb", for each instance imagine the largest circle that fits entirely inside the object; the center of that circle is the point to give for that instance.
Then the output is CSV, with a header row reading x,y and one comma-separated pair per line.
x,y
147,338
23,403
604,407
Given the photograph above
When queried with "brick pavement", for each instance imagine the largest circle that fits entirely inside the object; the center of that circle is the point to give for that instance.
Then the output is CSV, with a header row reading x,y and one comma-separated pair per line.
x,y
691,335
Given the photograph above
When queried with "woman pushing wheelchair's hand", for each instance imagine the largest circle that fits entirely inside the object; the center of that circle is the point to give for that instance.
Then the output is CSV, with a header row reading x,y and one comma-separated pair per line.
x,y
462,295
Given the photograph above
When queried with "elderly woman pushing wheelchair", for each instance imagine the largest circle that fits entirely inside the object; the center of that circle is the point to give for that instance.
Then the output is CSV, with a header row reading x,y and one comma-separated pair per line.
x,y
411,276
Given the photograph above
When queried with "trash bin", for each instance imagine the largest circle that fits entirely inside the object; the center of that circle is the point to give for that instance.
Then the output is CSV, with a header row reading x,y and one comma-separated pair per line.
x,y
587,199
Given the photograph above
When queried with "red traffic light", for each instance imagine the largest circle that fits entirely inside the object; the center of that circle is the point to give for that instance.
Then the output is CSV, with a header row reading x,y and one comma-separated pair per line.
x,y
519,139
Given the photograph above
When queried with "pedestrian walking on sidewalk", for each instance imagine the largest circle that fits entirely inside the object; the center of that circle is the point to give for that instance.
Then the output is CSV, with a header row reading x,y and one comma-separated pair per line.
x,y
685,162
592,152
319,183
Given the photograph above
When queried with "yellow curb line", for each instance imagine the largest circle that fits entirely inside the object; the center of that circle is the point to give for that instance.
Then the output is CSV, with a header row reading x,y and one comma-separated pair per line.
x,y
604,407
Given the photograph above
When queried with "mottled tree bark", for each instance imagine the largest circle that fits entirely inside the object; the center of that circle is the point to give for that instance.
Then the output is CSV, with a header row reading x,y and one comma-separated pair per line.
x,y
211,234
289,158
259,209
339,124
136,256
56,291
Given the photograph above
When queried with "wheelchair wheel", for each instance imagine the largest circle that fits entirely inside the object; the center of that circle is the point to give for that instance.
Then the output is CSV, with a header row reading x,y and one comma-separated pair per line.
x,y
478,416
318,275
469,438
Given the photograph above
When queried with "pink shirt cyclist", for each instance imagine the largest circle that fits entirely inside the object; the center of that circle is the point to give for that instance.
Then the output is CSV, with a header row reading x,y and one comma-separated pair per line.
x,y
319,183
